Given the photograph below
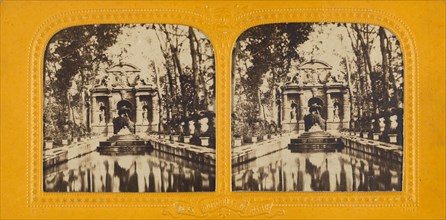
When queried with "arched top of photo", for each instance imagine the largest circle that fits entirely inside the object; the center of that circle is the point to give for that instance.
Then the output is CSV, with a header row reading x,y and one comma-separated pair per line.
x,y
315,105
136,101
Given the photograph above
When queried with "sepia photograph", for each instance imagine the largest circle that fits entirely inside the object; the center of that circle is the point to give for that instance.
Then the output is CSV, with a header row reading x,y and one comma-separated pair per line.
x,y
317,107
129,108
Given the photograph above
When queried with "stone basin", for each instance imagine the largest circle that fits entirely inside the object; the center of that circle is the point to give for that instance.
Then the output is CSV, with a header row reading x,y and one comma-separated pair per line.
x,y
315,141
127,143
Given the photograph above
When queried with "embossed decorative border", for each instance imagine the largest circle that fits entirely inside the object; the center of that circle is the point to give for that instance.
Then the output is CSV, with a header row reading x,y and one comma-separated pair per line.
x,y
222,25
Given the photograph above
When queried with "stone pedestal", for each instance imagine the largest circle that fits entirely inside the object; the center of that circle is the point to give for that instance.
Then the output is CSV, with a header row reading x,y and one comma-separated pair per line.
x,y
393,138
237,142
155,113
187,139
48,144
204,141
376,136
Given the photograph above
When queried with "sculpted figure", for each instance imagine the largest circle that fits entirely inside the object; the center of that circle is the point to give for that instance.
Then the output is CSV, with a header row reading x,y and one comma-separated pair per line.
x,y
101,113
293,111
336,112
104,81
123,121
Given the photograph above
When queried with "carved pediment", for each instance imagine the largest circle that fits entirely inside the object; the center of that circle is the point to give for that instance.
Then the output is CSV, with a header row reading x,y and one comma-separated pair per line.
x,y
123,75
315,72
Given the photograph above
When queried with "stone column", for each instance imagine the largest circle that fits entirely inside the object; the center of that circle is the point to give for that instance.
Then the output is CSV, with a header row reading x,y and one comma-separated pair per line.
x,y
346,108
111,105
92,110
330,108
138,110
155,113
95,111
109,117
286,109
302,105
302,112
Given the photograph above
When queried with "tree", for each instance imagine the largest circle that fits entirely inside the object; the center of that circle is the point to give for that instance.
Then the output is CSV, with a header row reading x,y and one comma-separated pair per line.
x,y
73,57
262,57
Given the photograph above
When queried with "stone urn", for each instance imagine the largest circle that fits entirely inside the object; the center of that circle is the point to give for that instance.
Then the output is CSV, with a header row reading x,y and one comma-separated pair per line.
x,y
265,137
204,141
254,139
393,138
187,139
237,142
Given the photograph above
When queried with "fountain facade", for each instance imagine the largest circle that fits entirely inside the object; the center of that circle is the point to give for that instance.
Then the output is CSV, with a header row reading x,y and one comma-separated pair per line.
x,y
124,87
315,88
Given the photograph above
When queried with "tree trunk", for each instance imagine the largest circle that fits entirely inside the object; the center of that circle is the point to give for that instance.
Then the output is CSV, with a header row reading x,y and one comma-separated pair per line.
x,y
195,68
350,86
160,96
171,94
385,67
396,96
70,113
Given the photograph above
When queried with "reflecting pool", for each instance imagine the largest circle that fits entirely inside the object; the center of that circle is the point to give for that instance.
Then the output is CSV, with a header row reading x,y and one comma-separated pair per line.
x,y
349,170
146,172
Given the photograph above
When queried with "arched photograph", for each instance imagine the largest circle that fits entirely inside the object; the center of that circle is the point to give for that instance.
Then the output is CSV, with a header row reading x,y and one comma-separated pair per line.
x,y
317,107
129,108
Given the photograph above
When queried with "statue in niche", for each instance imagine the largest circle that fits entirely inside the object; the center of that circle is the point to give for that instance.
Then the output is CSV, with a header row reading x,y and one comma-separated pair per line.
x,y
145,113
336,112
102,109
293,111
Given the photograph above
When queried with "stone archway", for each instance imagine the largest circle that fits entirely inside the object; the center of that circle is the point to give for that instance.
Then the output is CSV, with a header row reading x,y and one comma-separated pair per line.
x,y
317,104
127,105
316,114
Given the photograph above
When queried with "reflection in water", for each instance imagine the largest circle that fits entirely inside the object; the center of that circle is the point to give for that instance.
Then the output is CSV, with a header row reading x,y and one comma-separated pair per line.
x,y
348,170
151,172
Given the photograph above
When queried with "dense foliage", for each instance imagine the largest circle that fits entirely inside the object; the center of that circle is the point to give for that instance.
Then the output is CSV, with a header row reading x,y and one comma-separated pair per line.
x,y
266,56
183,71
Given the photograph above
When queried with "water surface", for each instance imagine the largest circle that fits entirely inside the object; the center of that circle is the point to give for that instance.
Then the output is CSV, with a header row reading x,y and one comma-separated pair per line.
x,y
348,170
146,172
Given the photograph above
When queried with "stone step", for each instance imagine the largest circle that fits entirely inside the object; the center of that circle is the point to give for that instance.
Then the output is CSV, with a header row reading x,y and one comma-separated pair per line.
x,y
315,147
314,140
